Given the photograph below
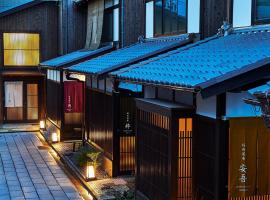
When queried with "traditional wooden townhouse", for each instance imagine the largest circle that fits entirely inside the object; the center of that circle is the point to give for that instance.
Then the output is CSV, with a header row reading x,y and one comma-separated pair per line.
x,y
23,45
65,99
108,112
110,106
196,137
101,24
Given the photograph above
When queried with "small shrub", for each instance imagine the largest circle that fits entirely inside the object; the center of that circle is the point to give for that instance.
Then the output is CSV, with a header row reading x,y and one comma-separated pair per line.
x,y
85,153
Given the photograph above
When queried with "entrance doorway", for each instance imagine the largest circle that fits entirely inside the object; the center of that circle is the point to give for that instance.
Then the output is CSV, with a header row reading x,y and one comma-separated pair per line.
x,y
21,101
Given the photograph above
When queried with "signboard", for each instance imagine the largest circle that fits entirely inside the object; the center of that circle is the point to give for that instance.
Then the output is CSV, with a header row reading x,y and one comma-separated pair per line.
x,y
249,151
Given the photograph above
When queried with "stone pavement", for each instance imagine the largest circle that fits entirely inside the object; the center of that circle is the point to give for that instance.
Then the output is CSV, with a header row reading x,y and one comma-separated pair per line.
x,y
30,172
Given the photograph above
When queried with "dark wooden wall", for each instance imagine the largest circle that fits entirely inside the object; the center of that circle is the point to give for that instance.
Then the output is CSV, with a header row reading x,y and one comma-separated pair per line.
x,y
134,21
73,31
99,111
207,162
54,102
213,13
43,19
152,144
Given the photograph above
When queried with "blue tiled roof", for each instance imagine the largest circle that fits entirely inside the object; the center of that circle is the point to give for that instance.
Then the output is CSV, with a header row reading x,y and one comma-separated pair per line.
x,y
131,87
9,4
262,89
122,57
73,57
202,62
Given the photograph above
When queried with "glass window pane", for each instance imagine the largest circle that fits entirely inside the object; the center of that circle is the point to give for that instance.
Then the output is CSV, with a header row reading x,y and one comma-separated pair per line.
x,y
94,82
21,41
174,16
263,9
21,57
167,17
182,15
107,30
158,17
21,49
108,3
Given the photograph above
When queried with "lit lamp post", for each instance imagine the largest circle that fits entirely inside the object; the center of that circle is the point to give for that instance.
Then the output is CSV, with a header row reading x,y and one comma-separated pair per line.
x,y
90,170
42,124
54,137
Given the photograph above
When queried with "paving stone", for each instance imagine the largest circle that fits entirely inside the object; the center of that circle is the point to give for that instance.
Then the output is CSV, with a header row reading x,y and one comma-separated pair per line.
x,y
73,195
28,189
30,195
54,187
6,197
29,173
46,197
38,180
17,198
16,193
12,183
43,191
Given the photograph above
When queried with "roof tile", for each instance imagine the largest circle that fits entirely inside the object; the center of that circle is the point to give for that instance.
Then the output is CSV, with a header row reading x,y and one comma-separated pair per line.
x,y
201,62
128,54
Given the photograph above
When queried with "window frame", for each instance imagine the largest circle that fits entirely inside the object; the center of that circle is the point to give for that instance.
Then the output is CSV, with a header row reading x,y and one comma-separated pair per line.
x,y
110,10
254,15
19,66
162,28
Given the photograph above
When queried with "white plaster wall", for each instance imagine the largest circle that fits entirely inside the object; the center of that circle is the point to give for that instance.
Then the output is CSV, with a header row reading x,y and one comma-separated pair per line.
x,y
242,10
149,21
206,107
116,24
193,16
149,92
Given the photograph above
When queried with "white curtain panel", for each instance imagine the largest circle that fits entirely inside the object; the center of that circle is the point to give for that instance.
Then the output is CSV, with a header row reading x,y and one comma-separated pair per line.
x,y
94,24
14,94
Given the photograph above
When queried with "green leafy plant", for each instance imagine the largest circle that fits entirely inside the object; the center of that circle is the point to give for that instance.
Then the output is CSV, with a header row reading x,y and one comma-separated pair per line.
x,y
95,157
84,154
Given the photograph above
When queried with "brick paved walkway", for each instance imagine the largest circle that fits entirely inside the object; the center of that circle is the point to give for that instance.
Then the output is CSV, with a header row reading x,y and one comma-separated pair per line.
x,y
27,172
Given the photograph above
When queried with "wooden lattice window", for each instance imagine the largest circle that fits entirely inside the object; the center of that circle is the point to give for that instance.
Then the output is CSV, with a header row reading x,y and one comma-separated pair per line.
x,y
185,159
127,153
155,119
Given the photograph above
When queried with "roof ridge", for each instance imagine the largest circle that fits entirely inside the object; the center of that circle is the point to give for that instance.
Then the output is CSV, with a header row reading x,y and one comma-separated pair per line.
x,y
168,38
252,29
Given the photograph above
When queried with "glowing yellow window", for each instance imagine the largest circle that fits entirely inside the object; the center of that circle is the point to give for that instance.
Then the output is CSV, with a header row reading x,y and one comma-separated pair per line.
x,y
21,49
